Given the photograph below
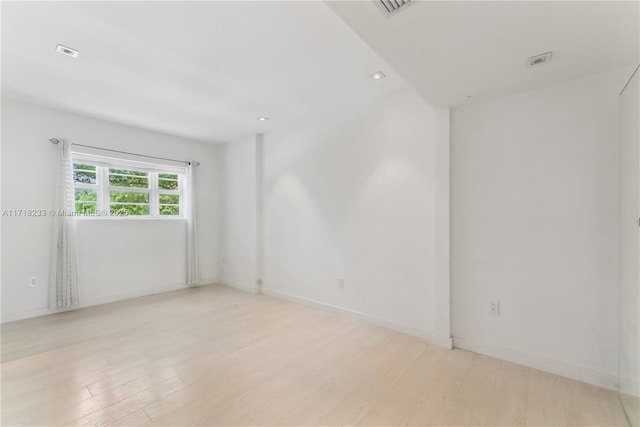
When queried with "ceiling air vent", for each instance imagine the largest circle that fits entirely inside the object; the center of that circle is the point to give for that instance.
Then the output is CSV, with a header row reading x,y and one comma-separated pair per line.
x,y
67,51
539,59
391,7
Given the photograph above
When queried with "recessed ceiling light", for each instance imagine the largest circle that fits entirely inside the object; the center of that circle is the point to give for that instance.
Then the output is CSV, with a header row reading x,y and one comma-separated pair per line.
x,y
67,51
377,75
539,59
262,119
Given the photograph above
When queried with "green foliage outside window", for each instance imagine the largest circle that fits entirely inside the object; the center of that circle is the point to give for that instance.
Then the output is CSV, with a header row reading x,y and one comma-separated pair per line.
x,y
128,178
85,174
124,201
169,210
169,199
169,204
130,203
85,201
167,181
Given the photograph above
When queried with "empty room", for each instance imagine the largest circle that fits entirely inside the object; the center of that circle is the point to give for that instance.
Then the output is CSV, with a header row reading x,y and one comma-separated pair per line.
x,y
337,213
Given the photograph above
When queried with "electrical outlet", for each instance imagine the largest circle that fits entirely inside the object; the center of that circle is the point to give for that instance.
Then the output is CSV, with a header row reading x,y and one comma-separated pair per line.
x,y
340,283
33,282
494,307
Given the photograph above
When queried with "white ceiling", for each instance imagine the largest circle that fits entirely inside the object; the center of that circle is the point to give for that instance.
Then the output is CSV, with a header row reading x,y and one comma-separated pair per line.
x,y
450,50
206,70
203,70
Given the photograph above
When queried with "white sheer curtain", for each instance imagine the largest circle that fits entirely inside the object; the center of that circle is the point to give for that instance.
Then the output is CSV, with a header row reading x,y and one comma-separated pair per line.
x,y
193,267
63,282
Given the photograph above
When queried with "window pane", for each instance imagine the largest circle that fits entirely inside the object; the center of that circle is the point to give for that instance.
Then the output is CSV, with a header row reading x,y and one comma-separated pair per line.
x,y
128,178
86,207
85,174
168,176
85,195
128,172
167,184
128,203
84,167
128,197
123,209
169,199
84,177
86,199
169,210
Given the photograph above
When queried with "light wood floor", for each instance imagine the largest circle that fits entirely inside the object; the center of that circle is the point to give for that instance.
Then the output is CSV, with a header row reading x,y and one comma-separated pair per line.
x,y
215,355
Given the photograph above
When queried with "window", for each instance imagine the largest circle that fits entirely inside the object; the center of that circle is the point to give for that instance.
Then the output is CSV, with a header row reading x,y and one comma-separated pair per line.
x,y
85,182
168,194
129,192
112,187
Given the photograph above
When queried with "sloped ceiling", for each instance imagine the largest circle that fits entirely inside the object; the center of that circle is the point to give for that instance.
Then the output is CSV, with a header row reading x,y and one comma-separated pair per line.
x,y
455,52
203,70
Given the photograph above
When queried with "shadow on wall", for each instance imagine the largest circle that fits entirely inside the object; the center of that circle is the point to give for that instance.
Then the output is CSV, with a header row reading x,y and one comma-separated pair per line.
x,y
356,200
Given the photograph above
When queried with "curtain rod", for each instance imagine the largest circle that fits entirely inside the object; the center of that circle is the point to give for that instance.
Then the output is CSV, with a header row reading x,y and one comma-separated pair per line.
x,y
57,141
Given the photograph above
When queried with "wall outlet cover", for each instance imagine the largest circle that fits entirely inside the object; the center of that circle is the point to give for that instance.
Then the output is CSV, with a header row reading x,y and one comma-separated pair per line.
x,y
494,307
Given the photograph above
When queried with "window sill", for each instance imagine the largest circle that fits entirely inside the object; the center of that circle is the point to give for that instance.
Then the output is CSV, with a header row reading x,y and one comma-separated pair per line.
x,y
125,218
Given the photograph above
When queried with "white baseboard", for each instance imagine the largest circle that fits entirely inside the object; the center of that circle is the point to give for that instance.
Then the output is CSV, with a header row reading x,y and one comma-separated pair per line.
x,y
245,288
12,317
444,342
552,366
410,330
629,386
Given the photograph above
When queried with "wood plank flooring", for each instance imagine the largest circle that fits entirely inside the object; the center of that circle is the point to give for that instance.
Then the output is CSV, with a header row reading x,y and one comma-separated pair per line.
x,y
217,356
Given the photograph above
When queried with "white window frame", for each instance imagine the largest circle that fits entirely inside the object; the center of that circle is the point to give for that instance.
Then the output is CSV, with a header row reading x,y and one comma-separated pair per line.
x,y
103,189
95,187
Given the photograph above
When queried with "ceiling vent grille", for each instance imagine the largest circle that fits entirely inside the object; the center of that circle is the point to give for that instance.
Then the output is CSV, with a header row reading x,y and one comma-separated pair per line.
x,y
543,58
391,7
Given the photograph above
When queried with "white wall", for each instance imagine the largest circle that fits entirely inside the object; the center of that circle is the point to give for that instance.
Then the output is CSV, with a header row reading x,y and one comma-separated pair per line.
x,y
629,369
354,198
118,258
534,225
238,214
